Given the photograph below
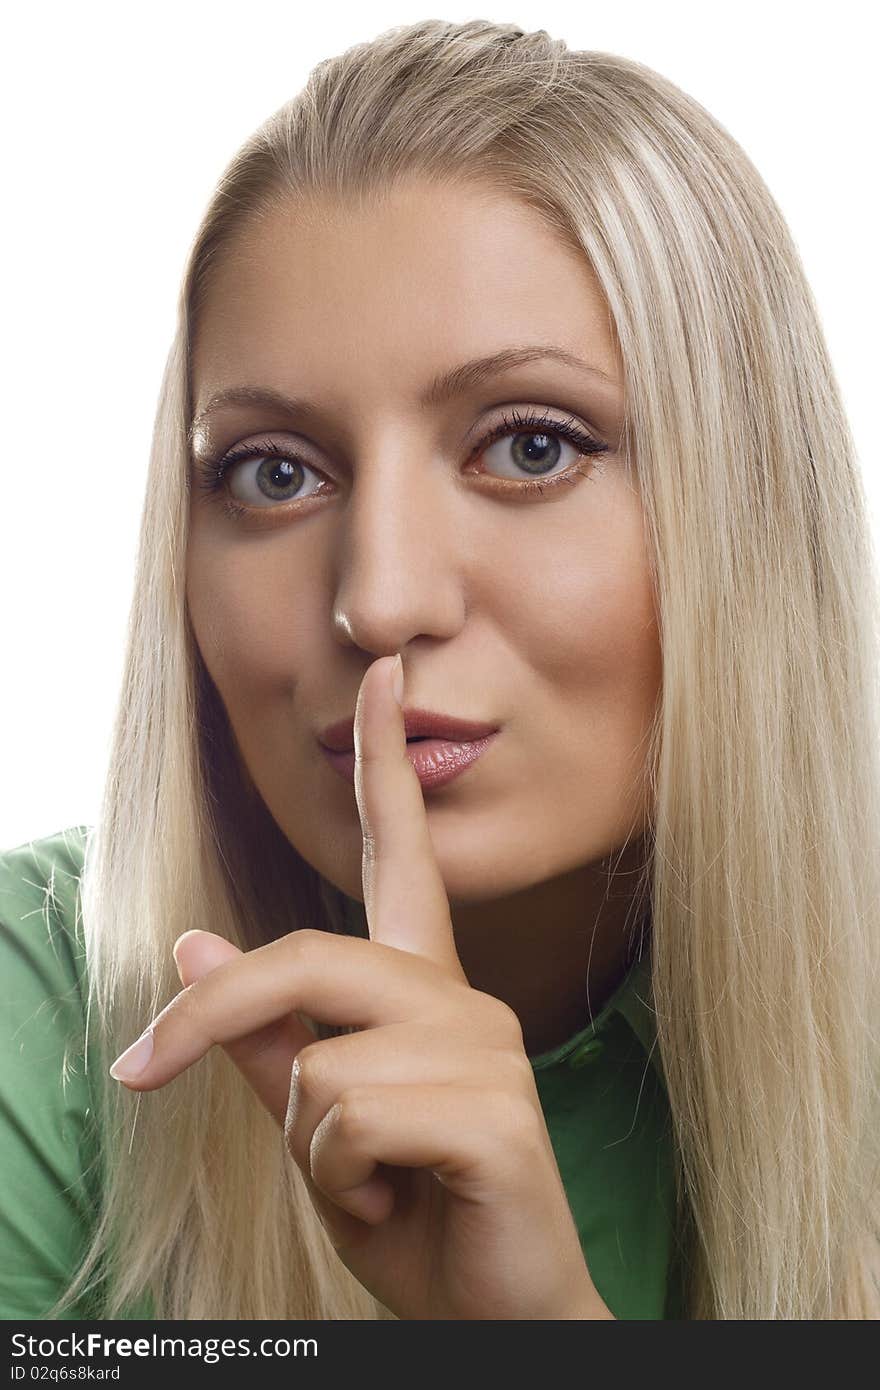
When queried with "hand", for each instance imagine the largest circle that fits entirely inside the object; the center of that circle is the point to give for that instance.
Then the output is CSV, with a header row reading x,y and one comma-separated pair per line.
x,y
421,1138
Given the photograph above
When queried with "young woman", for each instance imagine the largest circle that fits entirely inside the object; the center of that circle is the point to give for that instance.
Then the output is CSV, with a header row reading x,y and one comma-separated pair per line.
x,y
530,975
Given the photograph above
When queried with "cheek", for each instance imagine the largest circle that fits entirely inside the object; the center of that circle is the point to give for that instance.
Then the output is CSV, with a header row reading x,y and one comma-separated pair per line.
x,y
584,626
578,605
248,620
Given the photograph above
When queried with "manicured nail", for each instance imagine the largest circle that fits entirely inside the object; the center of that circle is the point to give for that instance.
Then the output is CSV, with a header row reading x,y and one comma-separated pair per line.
x,y
397,678
134,1059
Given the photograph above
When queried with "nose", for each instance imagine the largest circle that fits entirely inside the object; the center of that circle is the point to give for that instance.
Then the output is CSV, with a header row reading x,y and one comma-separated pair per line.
x,y
399,567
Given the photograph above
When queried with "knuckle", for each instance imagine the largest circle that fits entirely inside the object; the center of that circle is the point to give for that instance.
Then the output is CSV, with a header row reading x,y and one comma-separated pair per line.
x,y
520,1068
504,1022
529,1129
351,1115
305,1086
510,1021
514,1116
307,943
306,1072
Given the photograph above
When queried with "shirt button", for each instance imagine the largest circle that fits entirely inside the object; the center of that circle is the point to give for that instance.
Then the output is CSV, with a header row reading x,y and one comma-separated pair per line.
x,y
586,1052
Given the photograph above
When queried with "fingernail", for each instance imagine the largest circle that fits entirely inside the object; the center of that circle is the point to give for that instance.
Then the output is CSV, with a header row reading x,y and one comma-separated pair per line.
x,y
134,1059
397,678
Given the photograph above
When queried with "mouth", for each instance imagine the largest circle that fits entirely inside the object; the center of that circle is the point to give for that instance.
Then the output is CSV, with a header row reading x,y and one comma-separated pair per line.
x,y
440,747
435,761
420,725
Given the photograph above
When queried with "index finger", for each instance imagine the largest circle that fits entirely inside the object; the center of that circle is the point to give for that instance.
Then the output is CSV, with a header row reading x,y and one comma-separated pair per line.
x,y
404,894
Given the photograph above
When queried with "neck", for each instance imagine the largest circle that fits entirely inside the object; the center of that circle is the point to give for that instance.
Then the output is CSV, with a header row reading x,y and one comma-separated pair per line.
x,y
556,951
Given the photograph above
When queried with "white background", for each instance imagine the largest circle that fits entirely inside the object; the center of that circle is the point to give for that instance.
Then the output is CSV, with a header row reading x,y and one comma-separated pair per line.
x,y
117,122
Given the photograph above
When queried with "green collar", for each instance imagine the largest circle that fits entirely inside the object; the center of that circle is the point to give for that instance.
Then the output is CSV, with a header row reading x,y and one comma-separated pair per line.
x,y
633,1000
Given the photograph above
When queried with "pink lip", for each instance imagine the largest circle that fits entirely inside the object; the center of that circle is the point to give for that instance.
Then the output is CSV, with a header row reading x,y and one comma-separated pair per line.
x,y
417,723
436,760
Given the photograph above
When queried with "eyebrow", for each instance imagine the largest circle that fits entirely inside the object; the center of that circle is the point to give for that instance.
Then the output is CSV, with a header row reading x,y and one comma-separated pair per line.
x,y
444,386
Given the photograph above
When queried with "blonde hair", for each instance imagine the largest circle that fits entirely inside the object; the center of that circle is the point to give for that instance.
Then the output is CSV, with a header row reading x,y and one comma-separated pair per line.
x,y
763,759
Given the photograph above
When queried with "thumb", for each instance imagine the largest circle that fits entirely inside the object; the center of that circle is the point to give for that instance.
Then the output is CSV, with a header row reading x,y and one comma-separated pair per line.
x,y
197,953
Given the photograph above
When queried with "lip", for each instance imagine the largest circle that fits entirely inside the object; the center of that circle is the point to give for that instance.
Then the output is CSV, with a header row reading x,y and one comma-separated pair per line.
x,y
436,761
421,723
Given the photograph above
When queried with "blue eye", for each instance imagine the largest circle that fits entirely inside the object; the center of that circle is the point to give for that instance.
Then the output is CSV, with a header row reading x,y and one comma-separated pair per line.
x,y
533,444
280,471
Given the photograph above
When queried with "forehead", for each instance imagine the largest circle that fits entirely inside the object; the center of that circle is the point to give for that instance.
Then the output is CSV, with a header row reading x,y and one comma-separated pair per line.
x,y
393,290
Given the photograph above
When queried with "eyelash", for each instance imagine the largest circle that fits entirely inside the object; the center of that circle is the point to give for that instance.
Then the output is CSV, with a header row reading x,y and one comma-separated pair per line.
x,y
211,472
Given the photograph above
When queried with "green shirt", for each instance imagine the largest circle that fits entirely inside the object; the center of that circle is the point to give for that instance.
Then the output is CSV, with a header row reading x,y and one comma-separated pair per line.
x,y
601,1092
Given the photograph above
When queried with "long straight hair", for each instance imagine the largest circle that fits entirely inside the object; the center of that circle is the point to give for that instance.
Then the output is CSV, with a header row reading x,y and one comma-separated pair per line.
x,y
763,758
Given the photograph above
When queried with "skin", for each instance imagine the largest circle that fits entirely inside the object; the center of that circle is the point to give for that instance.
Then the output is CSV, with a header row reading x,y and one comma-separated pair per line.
x,y
536,614
421,1137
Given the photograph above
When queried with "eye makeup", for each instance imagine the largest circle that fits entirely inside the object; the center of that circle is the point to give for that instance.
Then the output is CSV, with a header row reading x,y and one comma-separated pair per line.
x,y
212,472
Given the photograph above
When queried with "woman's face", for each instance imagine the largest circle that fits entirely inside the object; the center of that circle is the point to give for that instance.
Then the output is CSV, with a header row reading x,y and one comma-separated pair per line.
x,y
391,524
